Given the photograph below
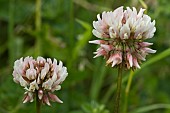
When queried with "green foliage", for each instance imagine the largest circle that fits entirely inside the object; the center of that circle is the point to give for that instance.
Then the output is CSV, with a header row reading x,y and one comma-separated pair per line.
x,y
94,107
64,32
151,108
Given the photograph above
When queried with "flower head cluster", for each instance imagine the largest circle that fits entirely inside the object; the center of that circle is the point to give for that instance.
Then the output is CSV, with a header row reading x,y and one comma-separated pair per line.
x,y
122,34
39,77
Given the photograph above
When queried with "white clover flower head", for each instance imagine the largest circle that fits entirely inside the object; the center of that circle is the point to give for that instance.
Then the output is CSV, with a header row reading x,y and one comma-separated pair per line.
x,y
122,34
39,76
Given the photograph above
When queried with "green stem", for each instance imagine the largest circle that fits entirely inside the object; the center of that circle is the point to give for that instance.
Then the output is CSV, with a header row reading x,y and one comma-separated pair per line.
x,y
38,26
10,32
71,32
38,15
127,91
71,22
38,104
119,82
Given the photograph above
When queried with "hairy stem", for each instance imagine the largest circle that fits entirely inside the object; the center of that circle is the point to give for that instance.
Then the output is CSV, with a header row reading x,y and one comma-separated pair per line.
x,y
119,82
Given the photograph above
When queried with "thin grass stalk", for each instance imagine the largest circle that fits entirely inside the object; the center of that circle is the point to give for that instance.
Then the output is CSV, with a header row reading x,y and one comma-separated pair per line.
x,y
127,91
10,32
38,27
71,22
71,33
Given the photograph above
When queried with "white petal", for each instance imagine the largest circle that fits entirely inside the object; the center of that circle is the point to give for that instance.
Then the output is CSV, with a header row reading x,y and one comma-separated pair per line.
x,y
96,33
114,63
33,86
148,50
62,75
98,54
44,71
23,82
112,33
98,17
55,87
40,60
60,65
140,13
134,11
47,85
125,29
49,60
31,73
94,42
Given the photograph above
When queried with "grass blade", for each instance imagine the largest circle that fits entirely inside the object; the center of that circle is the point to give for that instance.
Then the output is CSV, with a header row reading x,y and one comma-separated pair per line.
x,y
149,108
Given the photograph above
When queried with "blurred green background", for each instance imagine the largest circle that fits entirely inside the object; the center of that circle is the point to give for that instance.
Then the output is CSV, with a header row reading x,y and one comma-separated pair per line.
x,y
61,29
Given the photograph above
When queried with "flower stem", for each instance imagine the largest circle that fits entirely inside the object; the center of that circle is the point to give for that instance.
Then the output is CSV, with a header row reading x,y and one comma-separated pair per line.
x,y
119,82
127,91
38,104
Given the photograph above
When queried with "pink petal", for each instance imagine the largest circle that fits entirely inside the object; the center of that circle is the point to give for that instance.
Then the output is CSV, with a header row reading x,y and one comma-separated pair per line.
x,y
110,59
100,52
148,50
129,57
54,98
118,58
40,94
106,47
115,59
144,44
46,100
141,56
26,99
97,41
135,62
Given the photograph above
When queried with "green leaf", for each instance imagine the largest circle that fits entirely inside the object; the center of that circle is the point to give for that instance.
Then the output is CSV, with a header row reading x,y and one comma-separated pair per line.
x,y
150,108
98,77
82,38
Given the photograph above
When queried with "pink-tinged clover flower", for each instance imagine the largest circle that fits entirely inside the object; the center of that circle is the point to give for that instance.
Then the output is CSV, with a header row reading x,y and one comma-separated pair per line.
x,y
122,34
41,76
